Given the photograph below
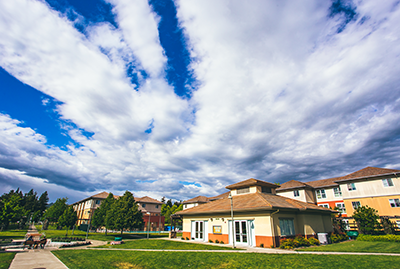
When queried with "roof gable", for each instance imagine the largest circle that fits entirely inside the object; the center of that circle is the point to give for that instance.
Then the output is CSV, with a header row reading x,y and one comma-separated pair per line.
x,y
292,184
251,182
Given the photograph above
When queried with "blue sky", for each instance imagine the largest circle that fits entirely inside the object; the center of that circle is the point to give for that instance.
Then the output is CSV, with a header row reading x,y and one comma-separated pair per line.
x,y
182,98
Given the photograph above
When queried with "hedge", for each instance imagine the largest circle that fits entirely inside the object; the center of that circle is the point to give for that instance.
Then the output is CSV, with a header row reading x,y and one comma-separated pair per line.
x,y
384,238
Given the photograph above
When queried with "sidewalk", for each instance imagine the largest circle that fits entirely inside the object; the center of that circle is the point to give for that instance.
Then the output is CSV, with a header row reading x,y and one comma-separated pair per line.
x,y
36,258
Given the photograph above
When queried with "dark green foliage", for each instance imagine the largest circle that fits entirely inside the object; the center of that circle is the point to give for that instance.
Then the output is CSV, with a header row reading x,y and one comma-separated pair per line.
x,y
100,214
125,214
54,212
301,241
68,218
168,209
11,209
388,226
367,220
336,238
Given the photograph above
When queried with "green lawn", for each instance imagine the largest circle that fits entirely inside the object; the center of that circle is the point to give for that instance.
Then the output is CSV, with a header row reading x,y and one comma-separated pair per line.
x,y
165,244
13,234
6,259
154,259
358,246
52,233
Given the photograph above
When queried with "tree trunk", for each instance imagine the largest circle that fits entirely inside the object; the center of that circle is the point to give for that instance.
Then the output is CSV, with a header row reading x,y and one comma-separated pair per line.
x,y
122,231
66,234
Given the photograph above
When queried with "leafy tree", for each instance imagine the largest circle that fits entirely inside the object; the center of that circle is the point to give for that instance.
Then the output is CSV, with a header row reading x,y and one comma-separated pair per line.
x,y
100,214
10,209
54,212
125,214
387,225
41,206
68,218
367,219
167,211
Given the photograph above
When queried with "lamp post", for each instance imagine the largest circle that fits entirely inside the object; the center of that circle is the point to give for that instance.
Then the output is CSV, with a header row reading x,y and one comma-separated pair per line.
x,y
87,230
148,225
233,224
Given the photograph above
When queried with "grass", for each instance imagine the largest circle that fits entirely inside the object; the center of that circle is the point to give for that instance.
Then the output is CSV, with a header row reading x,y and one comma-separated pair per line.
x,y
358,246
75,259
53,233
164,244
13,234
6,259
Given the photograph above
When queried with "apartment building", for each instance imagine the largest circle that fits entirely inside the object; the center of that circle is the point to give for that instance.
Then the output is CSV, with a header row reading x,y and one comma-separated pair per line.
x,y
150,208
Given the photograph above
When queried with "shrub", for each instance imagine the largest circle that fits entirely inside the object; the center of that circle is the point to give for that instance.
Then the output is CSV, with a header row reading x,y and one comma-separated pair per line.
x,y
261,245
210,241
187,238
182,238
387,225
222,242
301,241
216,241
384,238
287,244
367,219
313,241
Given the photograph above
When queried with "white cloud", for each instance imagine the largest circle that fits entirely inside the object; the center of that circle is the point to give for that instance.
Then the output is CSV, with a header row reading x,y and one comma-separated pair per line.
x,y
282,95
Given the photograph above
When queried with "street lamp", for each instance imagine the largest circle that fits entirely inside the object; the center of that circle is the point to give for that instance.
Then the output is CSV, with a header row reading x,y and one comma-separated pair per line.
x,y
148,226
233,226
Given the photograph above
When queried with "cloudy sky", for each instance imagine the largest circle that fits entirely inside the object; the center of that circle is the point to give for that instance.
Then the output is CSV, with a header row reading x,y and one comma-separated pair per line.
x,y
181,98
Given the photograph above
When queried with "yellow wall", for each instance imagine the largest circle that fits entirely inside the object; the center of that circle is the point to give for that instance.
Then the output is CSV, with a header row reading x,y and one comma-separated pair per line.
x,y
381,204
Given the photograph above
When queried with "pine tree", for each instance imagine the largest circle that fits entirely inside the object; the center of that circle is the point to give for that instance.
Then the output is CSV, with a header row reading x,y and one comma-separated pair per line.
x,y
100,214
68,218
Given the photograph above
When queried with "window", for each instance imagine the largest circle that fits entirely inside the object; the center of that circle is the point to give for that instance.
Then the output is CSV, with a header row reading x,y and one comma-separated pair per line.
x,y
156,206
341,208
356,204
143,205
320,194
243,190
185,206
287,226
296,193
266,190
97,202
324,205
387,182
351,187
337,192
394,202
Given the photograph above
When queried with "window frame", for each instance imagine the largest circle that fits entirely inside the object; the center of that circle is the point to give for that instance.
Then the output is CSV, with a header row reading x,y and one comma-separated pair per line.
x,y
324,205
337,192
243,190
387,182
357,203
351,186
296,193
287,225
320,193
342,208
395,203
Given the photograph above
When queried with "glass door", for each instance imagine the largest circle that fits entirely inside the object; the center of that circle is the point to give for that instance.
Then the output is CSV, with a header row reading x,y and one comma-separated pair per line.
x,y
241,234
199,230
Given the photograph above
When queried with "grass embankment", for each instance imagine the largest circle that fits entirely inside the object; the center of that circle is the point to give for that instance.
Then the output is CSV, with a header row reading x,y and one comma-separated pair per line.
x,y
358,246
6,259
54,233
164,244
75,259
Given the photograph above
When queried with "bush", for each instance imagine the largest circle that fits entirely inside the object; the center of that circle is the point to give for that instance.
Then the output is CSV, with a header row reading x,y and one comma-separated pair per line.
x,y
216,241
336,238
301,241
182,238
287,244
383,238
313,241
210,241
187,238
261,245
367,220
222,242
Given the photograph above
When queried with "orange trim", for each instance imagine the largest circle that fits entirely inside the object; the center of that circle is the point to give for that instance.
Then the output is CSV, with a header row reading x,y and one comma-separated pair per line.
x,y
268,241
220,237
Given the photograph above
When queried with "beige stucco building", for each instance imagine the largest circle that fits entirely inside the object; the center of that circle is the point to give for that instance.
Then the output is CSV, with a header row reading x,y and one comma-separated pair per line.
x,y
260,216
150,208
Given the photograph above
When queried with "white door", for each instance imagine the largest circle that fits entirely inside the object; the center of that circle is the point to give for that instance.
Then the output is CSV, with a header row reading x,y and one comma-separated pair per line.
x,y
199,230
241,232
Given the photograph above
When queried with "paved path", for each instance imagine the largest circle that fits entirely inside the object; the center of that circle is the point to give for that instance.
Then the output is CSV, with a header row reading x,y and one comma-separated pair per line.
x,y
36,258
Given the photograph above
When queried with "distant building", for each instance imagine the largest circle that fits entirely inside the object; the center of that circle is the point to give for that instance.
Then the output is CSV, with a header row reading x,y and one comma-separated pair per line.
x,y
202,200
150,208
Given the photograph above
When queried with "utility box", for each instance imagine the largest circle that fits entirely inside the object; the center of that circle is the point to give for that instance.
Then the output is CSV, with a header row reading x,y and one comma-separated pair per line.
x,y
323,238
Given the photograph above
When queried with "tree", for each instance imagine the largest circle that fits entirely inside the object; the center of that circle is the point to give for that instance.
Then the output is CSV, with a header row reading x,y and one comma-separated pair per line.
x,y
100,214
125,214
41,206
167,211
54,212
68,218
367,219
10,209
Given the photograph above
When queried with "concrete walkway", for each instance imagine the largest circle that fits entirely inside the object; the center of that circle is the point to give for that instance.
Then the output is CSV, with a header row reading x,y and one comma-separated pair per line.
x,y
36,258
